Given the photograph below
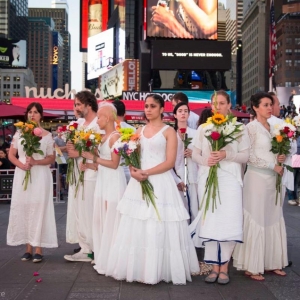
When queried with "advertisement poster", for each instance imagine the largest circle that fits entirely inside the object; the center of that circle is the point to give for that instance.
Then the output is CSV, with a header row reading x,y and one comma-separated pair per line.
x,y
193,19
12,53
100,53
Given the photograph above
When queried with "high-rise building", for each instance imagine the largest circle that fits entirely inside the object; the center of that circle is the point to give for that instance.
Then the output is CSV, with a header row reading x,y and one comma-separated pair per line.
x,y
40,50
221,22
59,14
255,49
13,19
287,68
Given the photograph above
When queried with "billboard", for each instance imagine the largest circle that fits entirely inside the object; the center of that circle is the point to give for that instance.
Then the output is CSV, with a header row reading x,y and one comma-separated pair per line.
x,y
100,53
12,53
194,19
93,20
123,76
191,55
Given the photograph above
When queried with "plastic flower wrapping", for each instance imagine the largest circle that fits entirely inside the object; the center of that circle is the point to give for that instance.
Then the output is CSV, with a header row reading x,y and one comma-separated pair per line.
x,y
85,140
128,147
220,131
31,135
68,133
283,134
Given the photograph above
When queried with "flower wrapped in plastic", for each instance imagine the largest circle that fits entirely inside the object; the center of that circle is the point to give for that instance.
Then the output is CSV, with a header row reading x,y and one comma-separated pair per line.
x,y
128,147
31,135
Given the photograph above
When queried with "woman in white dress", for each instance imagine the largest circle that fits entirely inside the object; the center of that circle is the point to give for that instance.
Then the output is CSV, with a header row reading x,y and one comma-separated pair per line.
x,y
110,187
147,249
265,242
31,218
223,228
181,114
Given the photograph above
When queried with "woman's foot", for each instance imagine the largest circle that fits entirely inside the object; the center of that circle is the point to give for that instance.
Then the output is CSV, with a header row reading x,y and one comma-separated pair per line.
x,y
277,272
223,278
257,277
212,277
26,256
37,258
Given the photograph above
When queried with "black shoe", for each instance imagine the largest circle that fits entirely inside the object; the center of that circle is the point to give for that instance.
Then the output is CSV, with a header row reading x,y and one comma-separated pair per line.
x,y
26,256
37,258
77,250
290,263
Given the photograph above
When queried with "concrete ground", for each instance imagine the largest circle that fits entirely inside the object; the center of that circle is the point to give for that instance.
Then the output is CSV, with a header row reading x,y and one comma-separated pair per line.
x,y
67,280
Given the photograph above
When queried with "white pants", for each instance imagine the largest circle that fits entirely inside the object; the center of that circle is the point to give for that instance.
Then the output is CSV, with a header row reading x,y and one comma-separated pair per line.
x,y
84,207
218,253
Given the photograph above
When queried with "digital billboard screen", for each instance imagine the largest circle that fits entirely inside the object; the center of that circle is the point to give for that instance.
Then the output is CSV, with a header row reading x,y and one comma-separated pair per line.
x,y
193,19
191,55
100,53
12,53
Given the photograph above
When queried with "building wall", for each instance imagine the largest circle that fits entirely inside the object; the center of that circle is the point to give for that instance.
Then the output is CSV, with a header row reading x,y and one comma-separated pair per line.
x,y
13,82
40,52
287,70
254,50
13,19
222,23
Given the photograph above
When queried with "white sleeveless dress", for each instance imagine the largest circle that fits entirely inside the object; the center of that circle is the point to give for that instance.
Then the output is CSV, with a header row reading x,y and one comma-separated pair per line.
x,y
148,250
31,218
110,187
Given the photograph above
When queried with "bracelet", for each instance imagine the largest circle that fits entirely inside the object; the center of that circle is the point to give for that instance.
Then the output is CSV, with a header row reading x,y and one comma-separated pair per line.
x,y
95,159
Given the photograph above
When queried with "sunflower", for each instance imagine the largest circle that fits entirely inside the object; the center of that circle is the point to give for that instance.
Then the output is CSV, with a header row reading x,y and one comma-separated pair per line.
x,y
218,119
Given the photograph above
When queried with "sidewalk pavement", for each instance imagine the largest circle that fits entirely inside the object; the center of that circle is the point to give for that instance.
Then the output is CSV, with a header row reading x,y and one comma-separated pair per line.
x,y
77,280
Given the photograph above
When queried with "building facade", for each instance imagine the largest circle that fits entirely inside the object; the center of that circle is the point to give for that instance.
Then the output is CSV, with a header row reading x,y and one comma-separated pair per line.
x,y
221,22
13,19
61,20
13,82
287,69
255,48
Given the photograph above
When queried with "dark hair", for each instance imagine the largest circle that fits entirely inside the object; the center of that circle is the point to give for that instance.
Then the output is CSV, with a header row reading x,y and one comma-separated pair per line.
x,y
158,99
87,98
4,151
205,114
175,111
256,99
220,93
120,106
38,107
181,97
271,93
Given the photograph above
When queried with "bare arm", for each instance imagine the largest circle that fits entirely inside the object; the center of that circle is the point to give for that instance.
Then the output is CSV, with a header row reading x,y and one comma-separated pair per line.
x,y
12,156
204,15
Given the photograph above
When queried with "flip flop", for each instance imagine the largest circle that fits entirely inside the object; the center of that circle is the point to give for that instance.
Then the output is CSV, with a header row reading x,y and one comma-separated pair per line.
x,y
275,272
253,278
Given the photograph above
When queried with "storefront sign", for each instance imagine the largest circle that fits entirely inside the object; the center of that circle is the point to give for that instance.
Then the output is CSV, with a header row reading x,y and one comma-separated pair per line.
x,y
141,96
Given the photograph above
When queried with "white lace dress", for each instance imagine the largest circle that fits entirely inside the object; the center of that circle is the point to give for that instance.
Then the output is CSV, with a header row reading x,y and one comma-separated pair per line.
x,y
148,250
110,187
31,218
265,242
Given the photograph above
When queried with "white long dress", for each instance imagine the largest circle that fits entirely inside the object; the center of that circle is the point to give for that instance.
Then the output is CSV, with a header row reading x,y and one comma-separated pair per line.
x,y
226,222
148,250
265,242
31,218
191,203
110,187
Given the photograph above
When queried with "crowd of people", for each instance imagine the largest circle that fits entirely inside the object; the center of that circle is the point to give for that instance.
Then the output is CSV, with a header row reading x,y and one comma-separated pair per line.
x,y
119,234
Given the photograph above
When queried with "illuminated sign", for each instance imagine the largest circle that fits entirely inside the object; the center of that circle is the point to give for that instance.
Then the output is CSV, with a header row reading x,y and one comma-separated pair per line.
x,y
55,56
12,53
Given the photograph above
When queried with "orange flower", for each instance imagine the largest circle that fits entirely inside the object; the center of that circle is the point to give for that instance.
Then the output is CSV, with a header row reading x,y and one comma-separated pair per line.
x,y
135,137
279,138
87,135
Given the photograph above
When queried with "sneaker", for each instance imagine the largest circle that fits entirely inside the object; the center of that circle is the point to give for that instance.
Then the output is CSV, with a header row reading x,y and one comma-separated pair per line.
x,y
37,258
26,256
293,202
77,250
80,256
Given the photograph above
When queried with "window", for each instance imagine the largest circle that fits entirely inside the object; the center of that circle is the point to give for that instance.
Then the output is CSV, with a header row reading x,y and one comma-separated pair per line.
x,y
288,41
288,51
6,93
297,41
288,63
297,83
297,63
288,84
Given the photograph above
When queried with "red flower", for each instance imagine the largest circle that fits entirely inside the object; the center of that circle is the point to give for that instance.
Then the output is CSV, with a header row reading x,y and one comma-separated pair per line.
x,y
88,143
75,125
286,130
63,128
215,135
182,130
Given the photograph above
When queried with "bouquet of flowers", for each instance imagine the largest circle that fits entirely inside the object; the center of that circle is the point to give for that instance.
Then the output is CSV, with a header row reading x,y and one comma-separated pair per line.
x,y
31,135
128,146
85,140
281,144
68,133
220,131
